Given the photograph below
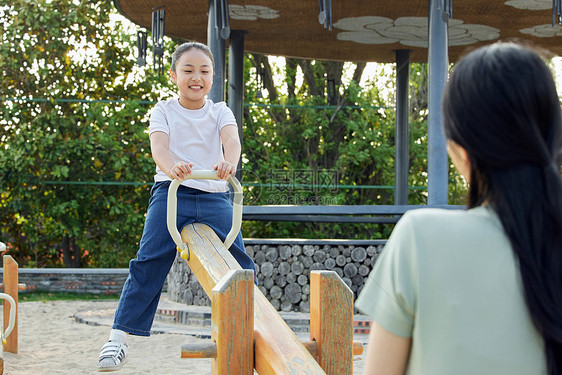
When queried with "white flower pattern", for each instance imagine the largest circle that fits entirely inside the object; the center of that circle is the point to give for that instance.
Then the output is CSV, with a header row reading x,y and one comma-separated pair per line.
x,y
409,31
252,12
530,4
543,31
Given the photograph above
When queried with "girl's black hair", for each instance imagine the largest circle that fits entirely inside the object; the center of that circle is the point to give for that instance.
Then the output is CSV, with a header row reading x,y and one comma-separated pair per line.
x,y
501,105
187,46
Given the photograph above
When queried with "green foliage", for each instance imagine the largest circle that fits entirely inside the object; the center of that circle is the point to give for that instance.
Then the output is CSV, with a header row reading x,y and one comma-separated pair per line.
x,y
64,296
291,152
71,51
75,165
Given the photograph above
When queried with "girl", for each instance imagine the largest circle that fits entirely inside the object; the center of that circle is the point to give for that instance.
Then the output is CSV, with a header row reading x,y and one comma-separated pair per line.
x,y
186,133
480,291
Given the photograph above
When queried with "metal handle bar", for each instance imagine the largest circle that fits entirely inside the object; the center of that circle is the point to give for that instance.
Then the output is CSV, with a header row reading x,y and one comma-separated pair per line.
x,y
171,218
12,321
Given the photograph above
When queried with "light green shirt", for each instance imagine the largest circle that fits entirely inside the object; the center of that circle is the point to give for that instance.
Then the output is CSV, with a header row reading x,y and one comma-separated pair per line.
x,y
449,279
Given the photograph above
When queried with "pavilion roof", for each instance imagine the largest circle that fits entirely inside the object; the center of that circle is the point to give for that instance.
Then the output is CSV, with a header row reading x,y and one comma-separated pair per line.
x,y
362,30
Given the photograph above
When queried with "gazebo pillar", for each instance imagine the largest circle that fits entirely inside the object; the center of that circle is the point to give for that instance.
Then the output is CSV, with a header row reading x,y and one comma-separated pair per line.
x,y
438,61
217,45
401,136
236,83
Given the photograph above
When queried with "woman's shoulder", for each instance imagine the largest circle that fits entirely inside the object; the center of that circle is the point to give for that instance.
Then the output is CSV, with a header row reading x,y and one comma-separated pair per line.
x,y
452,213
438,220
443,234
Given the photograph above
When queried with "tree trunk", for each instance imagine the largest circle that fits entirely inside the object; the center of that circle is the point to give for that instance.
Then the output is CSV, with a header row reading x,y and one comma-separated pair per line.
x,y
309,73
334,71
291,71
359,68
70,253
263,62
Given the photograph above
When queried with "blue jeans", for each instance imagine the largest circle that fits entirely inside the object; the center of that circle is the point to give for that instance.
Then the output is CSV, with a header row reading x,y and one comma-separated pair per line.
x,y
147,272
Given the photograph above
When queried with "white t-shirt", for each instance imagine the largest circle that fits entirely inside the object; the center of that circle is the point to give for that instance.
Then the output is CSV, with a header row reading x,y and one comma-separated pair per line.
x,y
194,137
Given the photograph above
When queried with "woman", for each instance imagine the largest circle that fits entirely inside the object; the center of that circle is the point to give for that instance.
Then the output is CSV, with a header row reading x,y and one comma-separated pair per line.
x,y
480,291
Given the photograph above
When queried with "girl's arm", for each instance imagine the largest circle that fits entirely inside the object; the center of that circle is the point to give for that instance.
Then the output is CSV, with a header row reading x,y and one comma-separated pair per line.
x,y
159,145
232,149
387,353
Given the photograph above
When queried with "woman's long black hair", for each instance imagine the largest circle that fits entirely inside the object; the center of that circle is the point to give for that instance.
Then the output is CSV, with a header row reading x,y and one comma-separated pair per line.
x,y
501,105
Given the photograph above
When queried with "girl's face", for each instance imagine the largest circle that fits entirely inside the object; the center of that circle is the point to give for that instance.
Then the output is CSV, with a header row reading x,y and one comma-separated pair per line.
x,y
194,77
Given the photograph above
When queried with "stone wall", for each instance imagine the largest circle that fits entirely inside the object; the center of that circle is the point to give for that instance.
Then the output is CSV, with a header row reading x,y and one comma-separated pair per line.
x,y
283,268
77,280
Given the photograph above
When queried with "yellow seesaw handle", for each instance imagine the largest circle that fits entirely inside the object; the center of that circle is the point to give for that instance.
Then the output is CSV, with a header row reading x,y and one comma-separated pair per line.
x,y
173,209
12,320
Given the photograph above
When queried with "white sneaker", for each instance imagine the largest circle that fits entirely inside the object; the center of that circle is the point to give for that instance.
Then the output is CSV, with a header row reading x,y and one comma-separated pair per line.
x,y
112,357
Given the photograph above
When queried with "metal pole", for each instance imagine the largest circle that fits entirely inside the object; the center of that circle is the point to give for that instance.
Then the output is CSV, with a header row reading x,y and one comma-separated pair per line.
x,y
438,58
217,46
236,83
401,135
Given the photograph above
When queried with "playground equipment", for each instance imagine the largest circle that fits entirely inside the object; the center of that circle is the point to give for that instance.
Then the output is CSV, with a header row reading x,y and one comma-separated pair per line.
x,y
10,335
173,207
250,335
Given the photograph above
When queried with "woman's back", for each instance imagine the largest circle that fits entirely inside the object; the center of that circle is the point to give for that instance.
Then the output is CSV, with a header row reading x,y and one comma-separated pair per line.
x,y
481,291
470,315
449,280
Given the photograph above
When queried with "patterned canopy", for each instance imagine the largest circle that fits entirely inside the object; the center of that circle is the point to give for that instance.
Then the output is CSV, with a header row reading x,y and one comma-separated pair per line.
x,y
360,30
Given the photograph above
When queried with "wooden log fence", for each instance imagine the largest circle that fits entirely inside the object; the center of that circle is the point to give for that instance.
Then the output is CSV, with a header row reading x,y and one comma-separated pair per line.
x,y
284,267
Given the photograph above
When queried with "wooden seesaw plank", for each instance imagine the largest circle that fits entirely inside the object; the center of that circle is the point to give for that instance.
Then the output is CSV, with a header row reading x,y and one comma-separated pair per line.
x,y
277,349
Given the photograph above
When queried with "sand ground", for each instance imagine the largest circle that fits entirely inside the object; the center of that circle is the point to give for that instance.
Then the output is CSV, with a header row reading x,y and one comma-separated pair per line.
x,y
52,342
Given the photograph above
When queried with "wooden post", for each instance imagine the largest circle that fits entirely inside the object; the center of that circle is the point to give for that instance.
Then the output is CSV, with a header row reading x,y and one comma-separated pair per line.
x,y
11,288
331,322
277,350
232,323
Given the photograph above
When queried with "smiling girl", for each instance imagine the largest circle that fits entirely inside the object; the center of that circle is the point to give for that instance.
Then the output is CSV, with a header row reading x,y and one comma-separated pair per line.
x,y
186,133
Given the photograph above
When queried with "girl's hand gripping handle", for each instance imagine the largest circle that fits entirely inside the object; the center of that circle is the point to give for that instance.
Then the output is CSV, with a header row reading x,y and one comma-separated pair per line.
x,y
173,207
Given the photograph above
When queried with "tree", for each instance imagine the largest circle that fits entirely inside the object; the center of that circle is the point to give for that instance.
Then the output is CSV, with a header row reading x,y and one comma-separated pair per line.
x,y
74,111
295,140
75,166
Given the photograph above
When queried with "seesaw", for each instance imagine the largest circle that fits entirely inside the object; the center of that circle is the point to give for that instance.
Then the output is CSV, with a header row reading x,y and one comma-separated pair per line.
x,y
246,330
